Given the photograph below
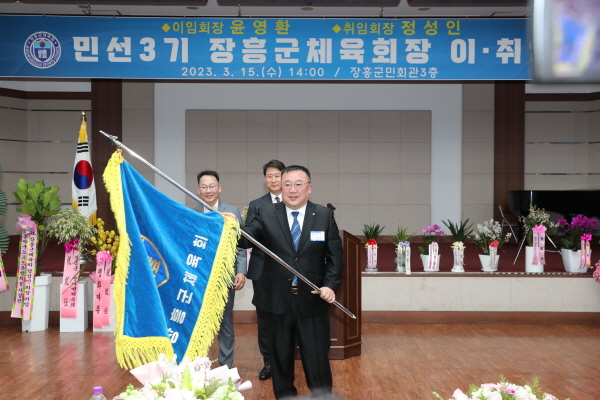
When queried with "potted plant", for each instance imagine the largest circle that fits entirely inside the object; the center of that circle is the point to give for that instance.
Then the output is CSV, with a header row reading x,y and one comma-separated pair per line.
x,y
40,203
578,234
72,229
401,239
37,204
372,232
488,237
460,232
429,253
535,225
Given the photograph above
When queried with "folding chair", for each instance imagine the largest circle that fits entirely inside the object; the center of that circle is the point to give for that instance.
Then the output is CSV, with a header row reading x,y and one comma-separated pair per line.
x,y
507,223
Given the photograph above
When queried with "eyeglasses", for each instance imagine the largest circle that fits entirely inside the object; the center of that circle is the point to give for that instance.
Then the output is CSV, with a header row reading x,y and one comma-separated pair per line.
x,y
210,188
298,185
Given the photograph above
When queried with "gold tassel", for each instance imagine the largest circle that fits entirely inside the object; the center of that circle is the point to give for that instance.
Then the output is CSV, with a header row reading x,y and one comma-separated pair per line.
x,y
216,294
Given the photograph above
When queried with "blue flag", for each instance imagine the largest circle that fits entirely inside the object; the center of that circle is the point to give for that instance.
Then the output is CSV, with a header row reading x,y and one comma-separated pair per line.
x,y
173,270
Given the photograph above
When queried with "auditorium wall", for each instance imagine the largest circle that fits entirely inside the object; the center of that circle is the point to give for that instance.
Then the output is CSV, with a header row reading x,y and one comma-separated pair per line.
x,y
38,140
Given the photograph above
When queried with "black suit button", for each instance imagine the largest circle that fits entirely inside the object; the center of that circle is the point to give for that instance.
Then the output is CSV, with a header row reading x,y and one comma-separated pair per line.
x,y
290,279
296,259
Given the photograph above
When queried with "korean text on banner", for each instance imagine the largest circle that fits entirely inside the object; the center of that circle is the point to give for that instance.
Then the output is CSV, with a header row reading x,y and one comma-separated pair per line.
x,y
173,270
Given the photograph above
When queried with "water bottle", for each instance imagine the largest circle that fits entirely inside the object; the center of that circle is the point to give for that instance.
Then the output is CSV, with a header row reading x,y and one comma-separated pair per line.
x,y
97,393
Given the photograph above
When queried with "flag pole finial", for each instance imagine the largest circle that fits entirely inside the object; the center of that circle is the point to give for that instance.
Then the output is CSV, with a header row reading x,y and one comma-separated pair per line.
x,y
83,115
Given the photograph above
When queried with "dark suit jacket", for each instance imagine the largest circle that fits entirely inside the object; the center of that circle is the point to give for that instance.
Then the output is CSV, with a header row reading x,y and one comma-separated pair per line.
x,y
257,257
321,262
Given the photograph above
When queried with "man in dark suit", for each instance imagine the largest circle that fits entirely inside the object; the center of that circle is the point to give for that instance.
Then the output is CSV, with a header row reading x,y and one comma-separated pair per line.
x,y
272,172
305,235
209,189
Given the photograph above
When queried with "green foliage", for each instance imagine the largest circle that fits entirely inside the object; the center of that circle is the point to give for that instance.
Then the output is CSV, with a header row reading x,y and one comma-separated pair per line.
x,y
461,230
41,203
372,231
401,235
3,205
37,200
69,224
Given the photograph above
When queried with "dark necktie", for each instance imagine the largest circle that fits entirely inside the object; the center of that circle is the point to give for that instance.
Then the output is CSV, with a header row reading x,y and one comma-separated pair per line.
x,y
296,232
277,199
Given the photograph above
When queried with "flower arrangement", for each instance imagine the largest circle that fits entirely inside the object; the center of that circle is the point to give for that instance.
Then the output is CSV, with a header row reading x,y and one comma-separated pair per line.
x,y
190,380
536,217
574,231
105,240
430,235
489,234
503,390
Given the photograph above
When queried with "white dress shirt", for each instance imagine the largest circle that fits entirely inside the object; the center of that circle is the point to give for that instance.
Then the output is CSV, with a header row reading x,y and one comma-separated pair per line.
x,y
273,197
301,210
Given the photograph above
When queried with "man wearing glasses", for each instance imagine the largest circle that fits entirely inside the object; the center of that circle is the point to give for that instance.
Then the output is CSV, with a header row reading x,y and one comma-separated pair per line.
x,y
272,172
305,235
209,189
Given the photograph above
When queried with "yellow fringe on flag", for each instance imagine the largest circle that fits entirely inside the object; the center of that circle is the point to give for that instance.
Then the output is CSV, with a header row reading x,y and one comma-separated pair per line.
x,y
216,295
131,352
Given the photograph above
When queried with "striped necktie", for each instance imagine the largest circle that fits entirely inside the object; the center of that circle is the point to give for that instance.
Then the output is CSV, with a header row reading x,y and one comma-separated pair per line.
x,y
296,232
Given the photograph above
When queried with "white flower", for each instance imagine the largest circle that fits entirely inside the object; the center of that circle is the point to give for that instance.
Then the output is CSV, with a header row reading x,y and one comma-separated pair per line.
x,y
179,394
459,395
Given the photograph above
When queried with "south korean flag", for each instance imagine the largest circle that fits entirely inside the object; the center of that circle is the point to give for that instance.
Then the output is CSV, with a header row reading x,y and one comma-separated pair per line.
x,y
83,188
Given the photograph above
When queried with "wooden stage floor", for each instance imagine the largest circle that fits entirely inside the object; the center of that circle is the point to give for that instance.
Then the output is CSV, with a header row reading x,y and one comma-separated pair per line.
x,y
398,361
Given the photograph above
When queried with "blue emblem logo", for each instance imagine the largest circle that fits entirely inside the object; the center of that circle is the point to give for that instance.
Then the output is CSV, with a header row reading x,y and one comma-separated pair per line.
x,y
157,262
42,50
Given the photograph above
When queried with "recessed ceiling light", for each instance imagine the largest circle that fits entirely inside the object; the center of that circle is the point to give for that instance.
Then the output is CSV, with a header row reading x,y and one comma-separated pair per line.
x,y
82,6
192,8
423,9
307,8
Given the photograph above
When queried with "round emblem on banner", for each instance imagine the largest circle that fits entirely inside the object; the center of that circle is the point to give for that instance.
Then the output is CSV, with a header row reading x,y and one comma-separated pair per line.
x,y
83,175
157,262
42,50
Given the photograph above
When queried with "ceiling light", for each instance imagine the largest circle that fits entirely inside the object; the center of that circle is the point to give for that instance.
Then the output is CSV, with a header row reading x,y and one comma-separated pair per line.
x,y
192,8
307,8
423,9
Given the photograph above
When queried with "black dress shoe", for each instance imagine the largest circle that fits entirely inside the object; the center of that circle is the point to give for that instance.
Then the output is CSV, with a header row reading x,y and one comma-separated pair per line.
x,y
265,373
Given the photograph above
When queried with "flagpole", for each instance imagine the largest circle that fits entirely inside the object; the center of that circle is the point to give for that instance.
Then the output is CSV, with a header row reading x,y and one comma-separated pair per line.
x,y
120,145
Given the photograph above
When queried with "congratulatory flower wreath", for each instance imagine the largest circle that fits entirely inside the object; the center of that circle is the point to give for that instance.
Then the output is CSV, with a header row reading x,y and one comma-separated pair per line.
x,y
503,390
190,380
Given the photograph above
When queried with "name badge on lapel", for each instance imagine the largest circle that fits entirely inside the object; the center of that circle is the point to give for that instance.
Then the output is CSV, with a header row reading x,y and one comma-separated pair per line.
x,y
317,236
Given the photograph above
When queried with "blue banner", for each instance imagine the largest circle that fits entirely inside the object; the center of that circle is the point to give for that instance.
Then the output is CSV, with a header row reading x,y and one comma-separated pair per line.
x,y
264,49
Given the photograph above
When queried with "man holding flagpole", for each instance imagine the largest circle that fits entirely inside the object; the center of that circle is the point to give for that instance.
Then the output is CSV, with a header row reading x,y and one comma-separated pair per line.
x,y
84,187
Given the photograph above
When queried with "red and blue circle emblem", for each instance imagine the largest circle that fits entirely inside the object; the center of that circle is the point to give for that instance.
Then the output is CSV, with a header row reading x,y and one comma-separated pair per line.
x,y
83,175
